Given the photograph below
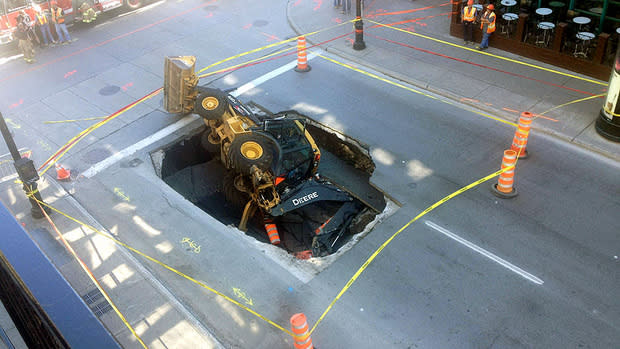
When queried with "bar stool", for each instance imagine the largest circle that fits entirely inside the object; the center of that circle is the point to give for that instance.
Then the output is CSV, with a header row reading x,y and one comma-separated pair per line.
x,y
543,12
509,18
581,21
582,44
546,28
508,4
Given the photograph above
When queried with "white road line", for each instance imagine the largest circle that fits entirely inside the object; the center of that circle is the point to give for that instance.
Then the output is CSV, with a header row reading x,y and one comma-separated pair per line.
x,y
485,253
102,165
272,74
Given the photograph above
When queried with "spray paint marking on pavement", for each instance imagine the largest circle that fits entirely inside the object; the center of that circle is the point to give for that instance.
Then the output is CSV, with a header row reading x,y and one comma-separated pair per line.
x,y
191,244
102,165
485,253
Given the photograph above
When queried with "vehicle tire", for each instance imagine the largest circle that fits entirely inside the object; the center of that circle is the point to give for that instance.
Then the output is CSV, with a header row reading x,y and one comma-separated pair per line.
x,y
133,4
234,197
207,145
211,104
251,149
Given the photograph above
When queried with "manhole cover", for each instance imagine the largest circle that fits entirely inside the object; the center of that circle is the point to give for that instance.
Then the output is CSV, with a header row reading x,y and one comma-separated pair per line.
x,y
96,155
260,23
109,90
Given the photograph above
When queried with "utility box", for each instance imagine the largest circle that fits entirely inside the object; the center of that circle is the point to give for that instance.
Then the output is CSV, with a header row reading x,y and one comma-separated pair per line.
x,y
179,84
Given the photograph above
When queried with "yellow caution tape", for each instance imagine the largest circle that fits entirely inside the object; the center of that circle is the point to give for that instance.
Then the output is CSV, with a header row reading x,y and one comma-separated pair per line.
x,y
270,46
52,160
247,62
75,120
416,91
575,101
387,242
199,283
491,55
84,267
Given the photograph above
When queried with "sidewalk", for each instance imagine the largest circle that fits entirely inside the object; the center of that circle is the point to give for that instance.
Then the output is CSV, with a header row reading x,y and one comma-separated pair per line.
x,y
500,88
156,315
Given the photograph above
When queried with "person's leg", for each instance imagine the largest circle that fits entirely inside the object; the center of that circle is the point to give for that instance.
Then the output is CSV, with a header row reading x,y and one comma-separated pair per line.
x,y
485,40
44,35
59,33
48,33
466,31
64,29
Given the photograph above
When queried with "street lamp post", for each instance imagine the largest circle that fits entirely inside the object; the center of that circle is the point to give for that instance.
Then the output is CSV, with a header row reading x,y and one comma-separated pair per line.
x,y
359,28
26,171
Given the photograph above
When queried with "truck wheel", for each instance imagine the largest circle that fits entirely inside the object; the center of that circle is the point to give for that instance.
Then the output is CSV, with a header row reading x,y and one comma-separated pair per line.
x,y
251,149
233,196
133,4
207,145
211,104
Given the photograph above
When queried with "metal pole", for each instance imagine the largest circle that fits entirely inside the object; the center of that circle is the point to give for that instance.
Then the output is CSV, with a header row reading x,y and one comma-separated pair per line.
x,y
359,28
603,14
26,171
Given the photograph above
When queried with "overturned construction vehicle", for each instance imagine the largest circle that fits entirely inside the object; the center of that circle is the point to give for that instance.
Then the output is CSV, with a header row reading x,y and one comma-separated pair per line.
x,y
271,161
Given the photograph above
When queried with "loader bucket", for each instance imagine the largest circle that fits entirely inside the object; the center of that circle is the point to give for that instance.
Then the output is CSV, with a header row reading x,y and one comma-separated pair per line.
x,y
179,83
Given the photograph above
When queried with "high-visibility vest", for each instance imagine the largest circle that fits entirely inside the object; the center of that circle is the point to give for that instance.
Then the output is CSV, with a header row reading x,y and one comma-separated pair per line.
x,y
491,19
469,14
57,16
42,19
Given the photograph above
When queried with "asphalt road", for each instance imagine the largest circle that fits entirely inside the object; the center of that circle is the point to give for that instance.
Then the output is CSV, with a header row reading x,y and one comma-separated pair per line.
x,y
425,289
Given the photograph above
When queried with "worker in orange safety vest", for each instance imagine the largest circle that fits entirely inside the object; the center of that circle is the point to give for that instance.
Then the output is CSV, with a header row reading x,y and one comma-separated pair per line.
x,y
58,17
43,25
469,17
487,24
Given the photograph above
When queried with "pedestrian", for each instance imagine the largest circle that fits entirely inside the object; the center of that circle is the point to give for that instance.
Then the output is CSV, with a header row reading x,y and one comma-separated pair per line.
x,y
25,18
337,3
42,23
346,6
469,17
24,44
487,24
58,17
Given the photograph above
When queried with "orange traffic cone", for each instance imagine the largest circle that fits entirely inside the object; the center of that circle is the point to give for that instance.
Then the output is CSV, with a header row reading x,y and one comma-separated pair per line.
x,y
272,231
62,174
302,56
519,142
504,188
301,335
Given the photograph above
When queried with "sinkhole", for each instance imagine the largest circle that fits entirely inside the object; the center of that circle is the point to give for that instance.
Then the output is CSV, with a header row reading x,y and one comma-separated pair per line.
x,y
192,168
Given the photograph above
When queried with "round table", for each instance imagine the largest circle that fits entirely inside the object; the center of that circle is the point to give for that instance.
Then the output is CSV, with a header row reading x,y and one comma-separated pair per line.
x,y
618,30
509,3
543,11
581,20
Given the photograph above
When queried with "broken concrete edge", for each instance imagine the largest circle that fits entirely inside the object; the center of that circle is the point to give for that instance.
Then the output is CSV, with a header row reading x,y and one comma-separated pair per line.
x,y
62,193
306,269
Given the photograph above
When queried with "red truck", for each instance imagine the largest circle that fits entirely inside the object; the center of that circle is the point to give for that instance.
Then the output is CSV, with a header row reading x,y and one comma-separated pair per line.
x,y
9,10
